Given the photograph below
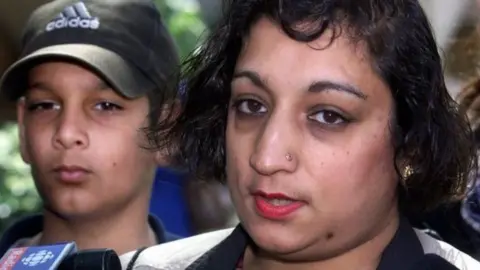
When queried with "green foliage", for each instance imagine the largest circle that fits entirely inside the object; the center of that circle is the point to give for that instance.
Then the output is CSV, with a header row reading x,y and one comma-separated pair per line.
x,y
17,191
18,196
184,23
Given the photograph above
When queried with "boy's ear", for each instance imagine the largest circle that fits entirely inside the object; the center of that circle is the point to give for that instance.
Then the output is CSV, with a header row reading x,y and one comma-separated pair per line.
x,y
21,130
171,111
161,158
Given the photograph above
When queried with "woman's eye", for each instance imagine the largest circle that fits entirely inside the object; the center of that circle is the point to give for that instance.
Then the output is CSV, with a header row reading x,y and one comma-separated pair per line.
x,y
250,106
328,117
43,106
107,106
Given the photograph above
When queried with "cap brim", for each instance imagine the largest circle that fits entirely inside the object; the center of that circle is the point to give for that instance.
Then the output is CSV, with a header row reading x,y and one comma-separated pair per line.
x,y
121,75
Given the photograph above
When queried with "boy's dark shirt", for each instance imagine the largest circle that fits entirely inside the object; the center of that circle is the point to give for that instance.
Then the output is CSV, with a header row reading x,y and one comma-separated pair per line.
x,y
31,226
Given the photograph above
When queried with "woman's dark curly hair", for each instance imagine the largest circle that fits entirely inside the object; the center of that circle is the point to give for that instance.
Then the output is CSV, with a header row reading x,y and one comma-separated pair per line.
x,y
429,133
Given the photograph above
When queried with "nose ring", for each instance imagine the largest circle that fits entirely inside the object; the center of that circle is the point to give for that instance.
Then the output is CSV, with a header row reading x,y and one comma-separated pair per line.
x,y
288,157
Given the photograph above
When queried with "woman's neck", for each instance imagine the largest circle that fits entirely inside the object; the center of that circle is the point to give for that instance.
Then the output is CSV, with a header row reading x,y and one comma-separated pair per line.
x,y
365,256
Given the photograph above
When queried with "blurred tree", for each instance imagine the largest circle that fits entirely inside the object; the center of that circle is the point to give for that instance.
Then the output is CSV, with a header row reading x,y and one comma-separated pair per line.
x,y
211,11
18,196
184,22
17,191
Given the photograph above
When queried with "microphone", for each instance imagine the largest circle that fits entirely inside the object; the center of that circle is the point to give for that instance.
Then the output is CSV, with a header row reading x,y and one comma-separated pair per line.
x,y
39,257
433,262
61,256
98,259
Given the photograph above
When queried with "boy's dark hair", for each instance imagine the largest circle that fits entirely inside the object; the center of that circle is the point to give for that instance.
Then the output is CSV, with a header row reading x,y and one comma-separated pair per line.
x,y
428,132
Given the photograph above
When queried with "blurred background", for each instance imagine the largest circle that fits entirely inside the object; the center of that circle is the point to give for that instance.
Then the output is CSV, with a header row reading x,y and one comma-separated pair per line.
x,y
454,23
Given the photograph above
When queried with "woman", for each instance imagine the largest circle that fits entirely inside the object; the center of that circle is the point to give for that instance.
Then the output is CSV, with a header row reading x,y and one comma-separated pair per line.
x,y
330,122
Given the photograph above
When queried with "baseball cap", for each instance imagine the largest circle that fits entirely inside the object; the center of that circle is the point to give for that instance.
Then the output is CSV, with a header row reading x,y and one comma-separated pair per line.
x,y
123,41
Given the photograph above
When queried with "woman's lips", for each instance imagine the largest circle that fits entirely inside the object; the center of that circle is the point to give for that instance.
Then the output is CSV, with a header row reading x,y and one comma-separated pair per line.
x,y
276,206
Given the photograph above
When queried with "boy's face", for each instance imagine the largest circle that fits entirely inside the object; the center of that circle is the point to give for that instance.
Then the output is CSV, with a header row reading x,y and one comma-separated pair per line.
x,y
83,142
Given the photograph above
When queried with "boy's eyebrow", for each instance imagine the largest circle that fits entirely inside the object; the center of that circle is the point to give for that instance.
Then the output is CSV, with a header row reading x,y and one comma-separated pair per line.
x,y
39,85
102,85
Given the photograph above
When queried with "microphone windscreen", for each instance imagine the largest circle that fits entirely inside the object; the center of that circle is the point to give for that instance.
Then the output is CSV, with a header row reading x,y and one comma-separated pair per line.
x,y
100,259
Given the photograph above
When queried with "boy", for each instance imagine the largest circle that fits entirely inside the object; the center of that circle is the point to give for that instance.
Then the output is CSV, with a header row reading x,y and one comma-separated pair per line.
x,y
92,76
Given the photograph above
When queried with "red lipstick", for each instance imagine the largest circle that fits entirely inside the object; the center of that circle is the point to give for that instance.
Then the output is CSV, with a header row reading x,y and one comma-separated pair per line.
x,y
275,206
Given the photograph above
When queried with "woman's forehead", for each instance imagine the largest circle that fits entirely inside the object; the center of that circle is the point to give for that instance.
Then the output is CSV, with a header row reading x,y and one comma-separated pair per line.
x,y
278,61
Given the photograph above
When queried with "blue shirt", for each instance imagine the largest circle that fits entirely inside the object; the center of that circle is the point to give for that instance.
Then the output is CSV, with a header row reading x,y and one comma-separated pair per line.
x,y
168,202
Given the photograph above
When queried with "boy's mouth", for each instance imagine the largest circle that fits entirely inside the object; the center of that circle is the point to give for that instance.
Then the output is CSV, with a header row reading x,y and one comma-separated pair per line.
x,y
71,173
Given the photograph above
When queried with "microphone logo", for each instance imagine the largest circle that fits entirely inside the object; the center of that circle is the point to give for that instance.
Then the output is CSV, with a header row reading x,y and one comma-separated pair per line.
x,y
11,258
36,258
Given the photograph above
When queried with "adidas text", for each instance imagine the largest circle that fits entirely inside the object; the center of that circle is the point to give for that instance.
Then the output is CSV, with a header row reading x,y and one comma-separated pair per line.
x,y
73,23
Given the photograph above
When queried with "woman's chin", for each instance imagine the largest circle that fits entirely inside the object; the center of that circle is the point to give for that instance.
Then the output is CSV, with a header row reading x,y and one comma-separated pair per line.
x,y
279,242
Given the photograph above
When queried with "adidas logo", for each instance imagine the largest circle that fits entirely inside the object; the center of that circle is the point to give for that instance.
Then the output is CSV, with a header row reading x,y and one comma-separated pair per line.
x,y
75,16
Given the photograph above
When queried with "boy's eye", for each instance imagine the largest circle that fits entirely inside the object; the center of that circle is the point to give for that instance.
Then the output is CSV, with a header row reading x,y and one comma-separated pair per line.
x,y
43,106
107,106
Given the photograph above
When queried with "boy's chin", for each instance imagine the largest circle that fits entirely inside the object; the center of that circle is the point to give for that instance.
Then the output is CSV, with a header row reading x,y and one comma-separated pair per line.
x,y
76,212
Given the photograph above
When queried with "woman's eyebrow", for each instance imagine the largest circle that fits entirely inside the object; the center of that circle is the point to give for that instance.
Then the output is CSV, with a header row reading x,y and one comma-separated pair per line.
x,y
314,87
323,85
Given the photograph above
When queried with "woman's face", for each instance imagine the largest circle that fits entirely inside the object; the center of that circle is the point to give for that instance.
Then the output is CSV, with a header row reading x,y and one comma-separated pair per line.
x,y
309,147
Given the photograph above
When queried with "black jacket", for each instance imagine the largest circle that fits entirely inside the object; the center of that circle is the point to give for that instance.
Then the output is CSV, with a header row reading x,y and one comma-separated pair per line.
x,y
404,252
409,249
446,224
